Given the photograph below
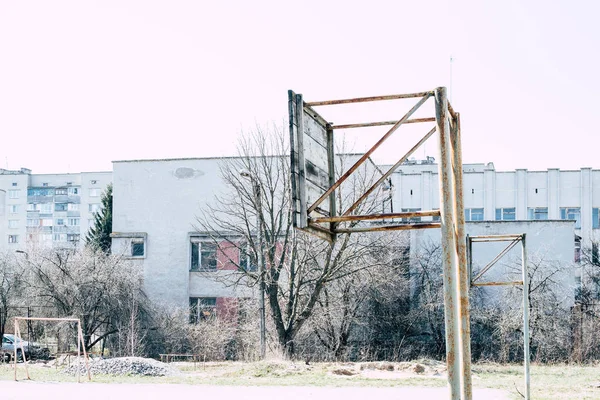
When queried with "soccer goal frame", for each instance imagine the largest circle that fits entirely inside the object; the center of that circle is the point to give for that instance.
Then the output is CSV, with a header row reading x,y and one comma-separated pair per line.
x,y
80,345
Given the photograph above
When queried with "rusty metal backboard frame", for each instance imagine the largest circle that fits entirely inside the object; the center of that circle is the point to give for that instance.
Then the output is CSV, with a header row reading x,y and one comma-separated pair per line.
x,y
313,166
312,138
474,281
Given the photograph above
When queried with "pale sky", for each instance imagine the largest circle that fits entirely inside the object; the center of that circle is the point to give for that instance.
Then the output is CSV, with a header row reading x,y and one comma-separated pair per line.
x,y
83,83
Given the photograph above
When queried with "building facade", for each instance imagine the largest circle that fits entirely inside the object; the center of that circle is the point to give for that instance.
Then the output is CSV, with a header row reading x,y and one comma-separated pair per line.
x,y
48,210
155,207
520,195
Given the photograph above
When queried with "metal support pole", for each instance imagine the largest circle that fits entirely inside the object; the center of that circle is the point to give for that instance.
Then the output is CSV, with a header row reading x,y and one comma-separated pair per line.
x,y
463,270
526,355
261,268
449,248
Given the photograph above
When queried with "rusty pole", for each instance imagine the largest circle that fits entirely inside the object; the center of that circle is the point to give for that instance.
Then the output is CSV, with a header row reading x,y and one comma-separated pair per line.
x,y
463,270
526,355
449,253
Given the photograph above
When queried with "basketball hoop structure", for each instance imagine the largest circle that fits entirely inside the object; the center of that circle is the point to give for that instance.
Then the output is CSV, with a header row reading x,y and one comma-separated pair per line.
x,y
314,185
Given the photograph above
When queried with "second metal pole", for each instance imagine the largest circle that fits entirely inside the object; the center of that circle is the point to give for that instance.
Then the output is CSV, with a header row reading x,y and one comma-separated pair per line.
x,y
526,355
449,248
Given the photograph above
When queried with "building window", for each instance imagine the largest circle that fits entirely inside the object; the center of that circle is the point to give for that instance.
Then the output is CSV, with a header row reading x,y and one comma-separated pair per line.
x,y
204,256
33,222
137,247
13,223
73,237
60,237
47,237
248,260
73,221
13,209
571,214
73,191
72,207
14,193
95,192
45,184
537,213
595,218
60,192
13,238
94,208
59,222
14,183
411,219
505,214
473,214
46,208
47,221
202,308
60,207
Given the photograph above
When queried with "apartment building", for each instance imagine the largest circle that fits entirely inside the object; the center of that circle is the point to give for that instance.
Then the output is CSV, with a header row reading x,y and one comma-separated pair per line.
x,y
520,195
48,210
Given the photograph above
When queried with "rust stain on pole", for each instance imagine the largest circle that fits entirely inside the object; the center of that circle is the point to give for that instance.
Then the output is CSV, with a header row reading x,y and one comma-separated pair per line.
x,y
402,227
409,214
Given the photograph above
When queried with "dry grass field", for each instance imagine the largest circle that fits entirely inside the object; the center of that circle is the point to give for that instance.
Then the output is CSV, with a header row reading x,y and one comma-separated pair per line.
x,y
548,382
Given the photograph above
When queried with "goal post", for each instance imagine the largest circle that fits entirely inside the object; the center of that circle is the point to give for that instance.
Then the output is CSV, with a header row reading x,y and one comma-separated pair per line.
x,y
80,345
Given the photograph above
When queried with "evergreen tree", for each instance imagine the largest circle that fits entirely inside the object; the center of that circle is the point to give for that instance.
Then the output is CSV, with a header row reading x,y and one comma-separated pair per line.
x,y
98,237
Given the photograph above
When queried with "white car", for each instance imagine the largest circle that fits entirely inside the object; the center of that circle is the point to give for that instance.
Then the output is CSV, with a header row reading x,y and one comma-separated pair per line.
x,y
8,347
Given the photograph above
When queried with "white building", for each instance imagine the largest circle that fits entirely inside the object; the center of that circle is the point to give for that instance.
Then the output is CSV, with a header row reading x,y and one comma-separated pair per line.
x,y
156,203
155,206
51,210
491,195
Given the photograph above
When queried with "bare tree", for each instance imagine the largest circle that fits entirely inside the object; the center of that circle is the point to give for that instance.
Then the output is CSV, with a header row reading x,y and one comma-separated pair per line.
x,y
297,267
11,285
104,291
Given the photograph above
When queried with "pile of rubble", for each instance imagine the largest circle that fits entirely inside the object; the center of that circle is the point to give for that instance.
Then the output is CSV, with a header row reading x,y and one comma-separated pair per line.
x,y
124,366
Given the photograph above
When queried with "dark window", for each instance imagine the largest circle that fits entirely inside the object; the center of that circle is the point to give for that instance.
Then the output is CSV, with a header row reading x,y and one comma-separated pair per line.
x,y
204,256
137,248
202,308
60,206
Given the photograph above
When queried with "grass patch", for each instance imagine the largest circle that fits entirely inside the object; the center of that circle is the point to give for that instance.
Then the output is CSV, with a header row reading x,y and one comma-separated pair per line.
x,y
554,382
